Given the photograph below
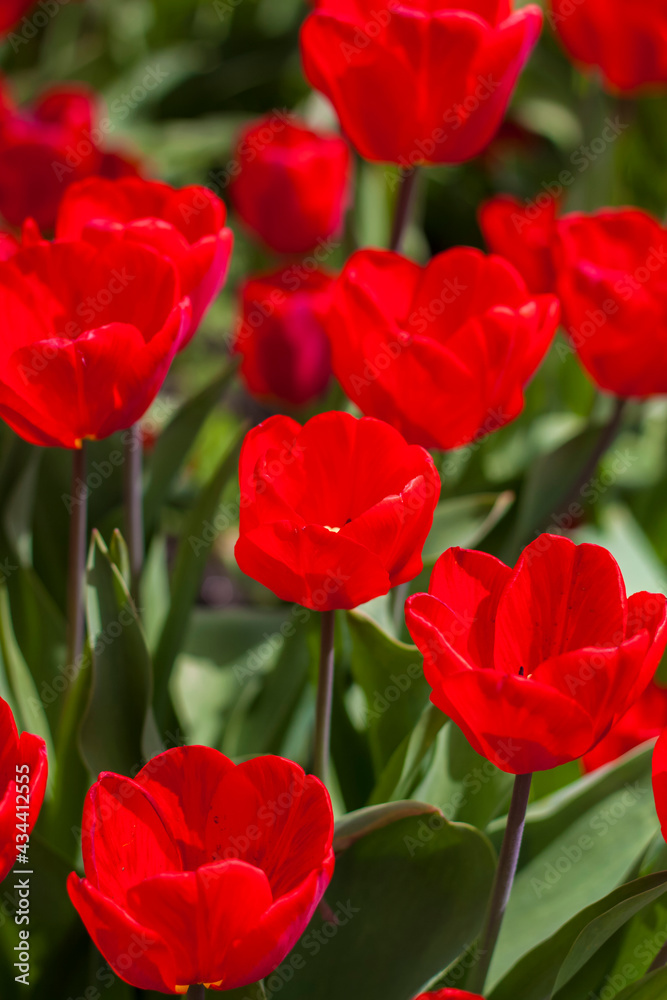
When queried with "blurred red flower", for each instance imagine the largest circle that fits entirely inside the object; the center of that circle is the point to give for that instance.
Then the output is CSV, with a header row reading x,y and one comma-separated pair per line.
x,y
646,719
536,664
195,858
23,773
443,352
186,225
523,235
333,513
281,336
627,41
291,186
11,12
612,281
47,147
87,338
449,994
418,81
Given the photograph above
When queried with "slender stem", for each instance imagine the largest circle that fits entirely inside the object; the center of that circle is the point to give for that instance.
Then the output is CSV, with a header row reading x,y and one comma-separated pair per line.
x,y
134,506
502,886
324,697
78,537
660,960
404,206
197,992
606,439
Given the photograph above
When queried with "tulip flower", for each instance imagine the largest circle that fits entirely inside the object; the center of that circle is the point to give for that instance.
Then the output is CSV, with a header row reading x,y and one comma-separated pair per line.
x,y
45,148
23,773
627,42
644,721
186,226
612,282
11,13
538,663
215,869
333,513
281,336
448,994
442,353
87,338
523,235
291,185
418,81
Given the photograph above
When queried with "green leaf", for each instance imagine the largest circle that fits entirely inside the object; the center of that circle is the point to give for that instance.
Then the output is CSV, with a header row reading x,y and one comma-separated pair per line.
x,y
408,899
174,443
191,558
653,987
465,521
391,676
363,822
558,959
116,724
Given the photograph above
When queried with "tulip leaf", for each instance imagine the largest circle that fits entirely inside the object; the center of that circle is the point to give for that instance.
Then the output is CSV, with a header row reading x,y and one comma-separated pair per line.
x,y
581,859
117,723
406,765
652,987
176,440
465,521
362,822
414,891
193,552
391,676
554,962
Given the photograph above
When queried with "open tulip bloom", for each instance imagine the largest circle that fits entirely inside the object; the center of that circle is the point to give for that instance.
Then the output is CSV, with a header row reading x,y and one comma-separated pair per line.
x,y
536,664
418,81
195,861
23,774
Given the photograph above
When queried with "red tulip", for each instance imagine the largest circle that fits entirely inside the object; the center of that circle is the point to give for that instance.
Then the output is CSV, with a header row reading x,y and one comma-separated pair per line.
x,y
536,664
45,148
419,81
612,282
292,184
186,226
199,871
449,995
11,12
333,513
523,235
87,338
660,781
442,353
646,719
627,41
281,336
23,773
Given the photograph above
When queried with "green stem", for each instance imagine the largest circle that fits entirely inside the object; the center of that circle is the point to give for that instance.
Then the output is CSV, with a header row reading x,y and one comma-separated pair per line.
x,y
404,206
502,886
197,992
134,506
324,696
76,570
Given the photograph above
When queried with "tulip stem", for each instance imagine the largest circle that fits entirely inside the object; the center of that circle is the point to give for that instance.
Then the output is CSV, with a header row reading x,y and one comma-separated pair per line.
x,y
404,206
197,991
660,960
324,696
134,509
502,885
76,570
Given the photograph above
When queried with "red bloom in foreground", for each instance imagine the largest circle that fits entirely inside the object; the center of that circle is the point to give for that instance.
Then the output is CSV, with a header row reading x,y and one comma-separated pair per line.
x,y
449,995
194,858
419,81
23,773
47,147
87,338
186,226
442,353
627,41
523,235
612,283
11,13
536,664
333,513
646,719
281,336
292,185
